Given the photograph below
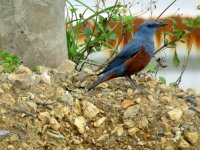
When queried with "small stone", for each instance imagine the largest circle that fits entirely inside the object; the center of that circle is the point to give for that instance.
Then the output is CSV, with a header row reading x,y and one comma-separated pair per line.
x,y
66,66
127,103
42,96
183,144
55,135
54,124
169,147
31,96
132,131
23,70
77,142
66,111
83,84
26,146
88,71
10,147
59,92
80,123
138,100
143,123
191,91
118,130
103,85
67,98
44,117
130,92
129,147
7,99
166,99
89,110
175,114
1,91
131,111
103,137
33,106
14,138
99,122
45,78
150,97
192,137
5,86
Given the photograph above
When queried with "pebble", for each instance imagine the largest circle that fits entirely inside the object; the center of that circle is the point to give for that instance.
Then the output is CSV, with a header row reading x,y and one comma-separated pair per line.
x,y
1,91
119,130
44,117
103,137
33,106
138,100
175,114
67,98
183,144
45,78
143,123
55,134
192,137
131,111
80,123
89,110
54,124
127,103
10,147
31,96
130,92
66,66
23,70
132,131
99,122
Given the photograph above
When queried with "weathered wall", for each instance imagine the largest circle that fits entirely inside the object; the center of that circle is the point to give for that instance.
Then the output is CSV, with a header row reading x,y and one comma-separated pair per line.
x,y
34,30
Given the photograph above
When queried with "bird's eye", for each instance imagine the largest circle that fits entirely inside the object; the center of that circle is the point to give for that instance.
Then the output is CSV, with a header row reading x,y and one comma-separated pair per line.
x,y
150,25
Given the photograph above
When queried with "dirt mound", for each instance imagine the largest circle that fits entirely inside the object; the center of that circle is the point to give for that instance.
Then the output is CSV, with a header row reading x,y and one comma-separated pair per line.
x,y
51,109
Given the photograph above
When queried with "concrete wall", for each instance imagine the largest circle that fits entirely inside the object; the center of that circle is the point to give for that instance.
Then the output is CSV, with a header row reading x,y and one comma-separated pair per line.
x,y
34,30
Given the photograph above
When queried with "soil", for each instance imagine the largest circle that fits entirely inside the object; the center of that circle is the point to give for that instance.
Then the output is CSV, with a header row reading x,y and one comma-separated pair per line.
x,y
52,109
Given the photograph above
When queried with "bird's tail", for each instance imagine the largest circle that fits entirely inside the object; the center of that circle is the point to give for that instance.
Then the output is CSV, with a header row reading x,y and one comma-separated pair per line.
x,y
103,78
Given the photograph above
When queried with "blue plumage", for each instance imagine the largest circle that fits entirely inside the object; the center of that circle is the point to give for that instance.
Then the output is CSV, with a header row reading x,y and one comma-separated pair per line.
x,y
134,56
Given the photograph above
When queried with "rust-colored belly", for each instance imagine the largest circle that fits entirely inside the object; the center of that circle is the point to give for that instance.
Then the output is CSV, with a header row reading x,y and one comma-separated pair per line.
x,y
138,62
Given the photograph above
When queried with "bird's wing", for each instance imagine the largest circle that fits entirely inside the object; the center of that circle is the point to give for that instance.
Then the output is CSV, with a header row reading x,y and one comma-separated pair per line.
x,y
128,51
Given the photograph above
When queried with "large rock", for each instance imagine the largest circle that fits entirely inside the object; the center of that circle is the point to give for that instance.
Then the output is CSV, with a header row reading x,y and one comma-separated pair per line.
x,y
34,30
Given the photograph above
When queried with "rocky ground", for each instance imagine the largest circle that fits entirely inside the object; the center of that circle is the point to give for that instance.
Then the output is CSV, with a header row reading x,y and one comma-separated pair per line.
x,y
50,109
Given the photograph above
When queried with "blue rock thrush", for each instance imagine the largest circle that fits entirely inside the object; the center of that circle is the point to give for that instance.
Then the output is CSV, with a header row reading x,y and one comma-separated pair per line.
x,y
134,57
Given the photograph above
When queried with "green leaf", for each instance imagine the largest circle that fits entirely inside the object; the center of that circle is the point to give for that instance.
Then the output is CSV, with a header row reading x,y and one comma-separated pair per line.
x,y
182,41
87,31
173,21
172,84
172,43
176,61
162,80
186,32
151,68
112,36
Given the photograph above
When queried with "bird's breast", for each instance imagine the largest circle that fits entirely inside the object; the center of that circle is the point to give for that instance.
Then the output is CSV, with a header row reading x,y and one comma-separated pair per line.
x,y
137,62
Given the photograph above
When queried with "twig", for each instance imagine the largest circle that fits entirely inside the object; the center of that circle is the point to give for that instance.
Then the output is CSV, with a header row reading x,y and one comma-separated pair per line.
x,y
166,9
23,112
45,103
178,81
165,45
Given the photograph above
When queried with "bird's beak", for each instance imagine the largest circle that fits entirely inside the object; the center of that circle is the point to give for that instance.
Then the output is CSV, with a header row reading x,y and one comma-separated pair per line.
x,y
162,24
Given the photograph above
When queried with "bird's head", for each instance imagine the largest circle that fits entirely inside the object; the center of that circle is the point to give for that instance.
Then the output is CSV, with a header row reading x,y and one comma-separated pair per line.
x,y
149,27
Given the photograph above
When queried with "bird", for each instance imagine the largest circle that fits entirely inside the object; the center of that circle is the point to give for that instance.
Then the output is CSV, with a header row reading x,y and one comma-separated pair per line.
x,y
134,57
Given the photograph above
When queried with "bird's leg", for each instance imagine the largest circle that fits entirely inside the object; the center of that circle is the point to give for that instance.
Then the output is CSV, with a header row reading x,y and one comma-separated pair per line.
x,y
134,85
